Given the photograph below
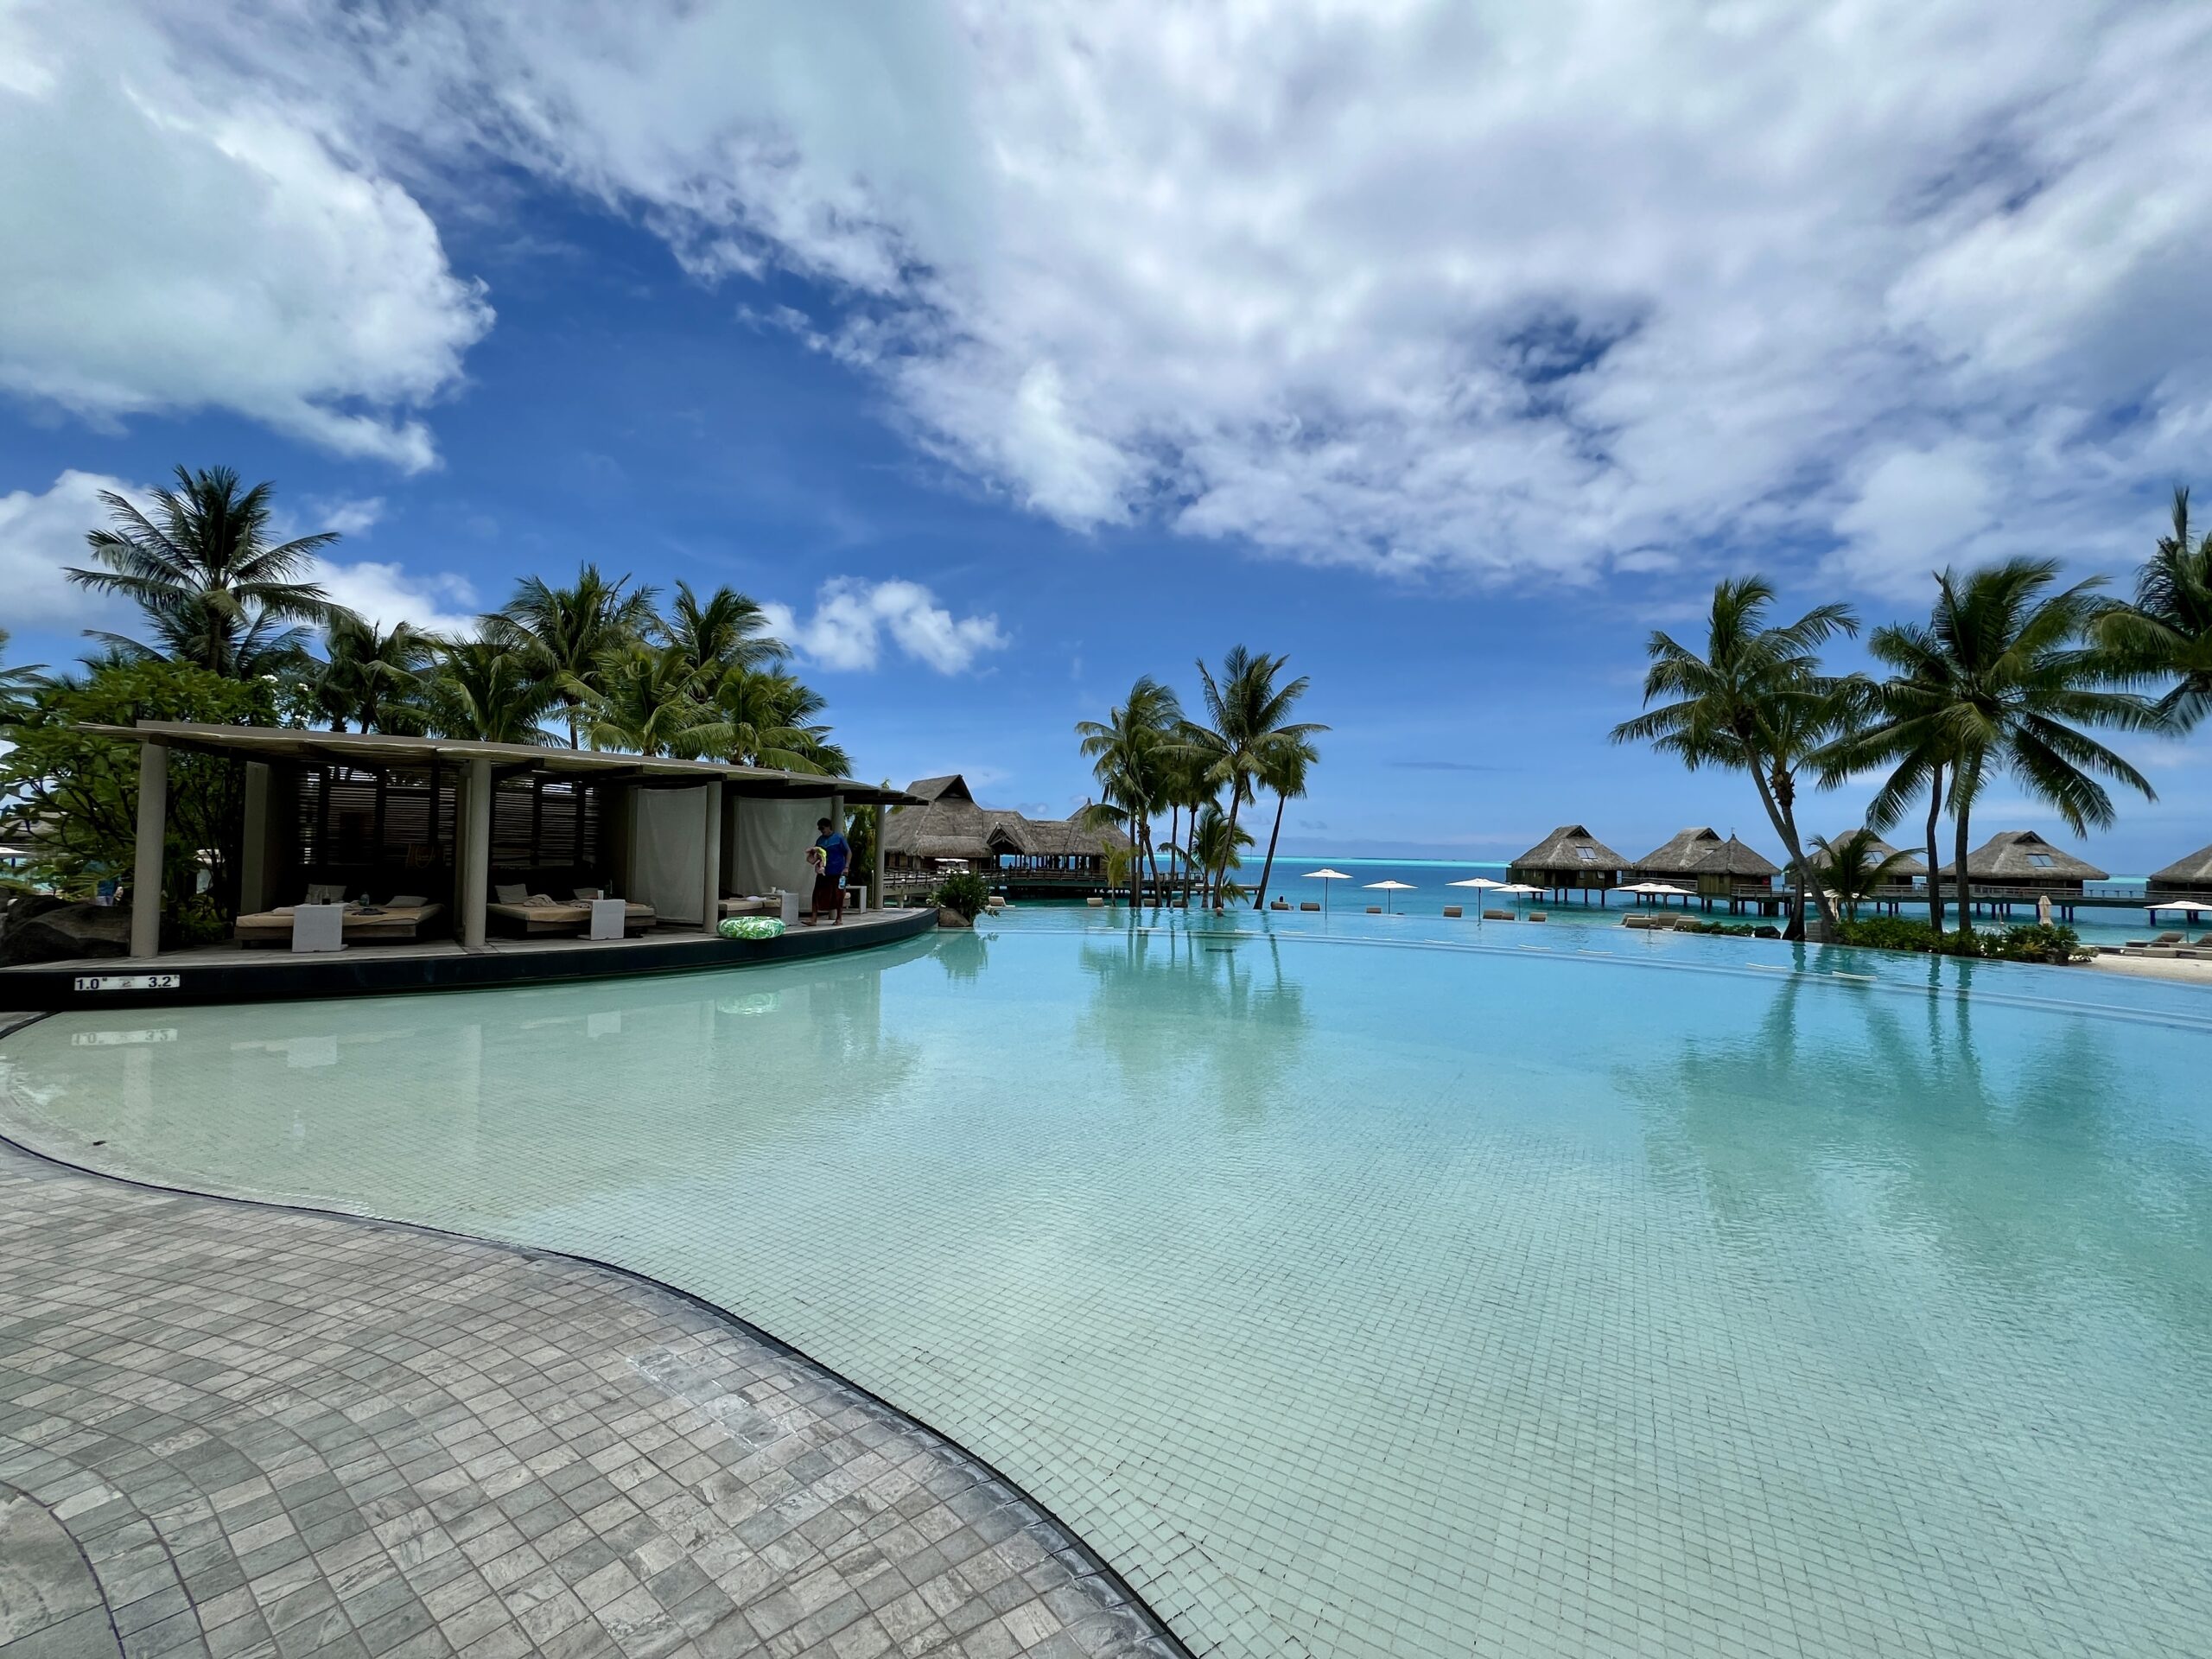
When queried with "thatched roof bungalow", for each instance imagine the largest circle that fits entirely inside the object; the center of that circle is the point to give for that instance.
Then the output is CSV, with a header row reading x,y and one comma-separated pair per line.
x,y
2021,858
2190,876
1699,859
1904,871
951,827
1568,857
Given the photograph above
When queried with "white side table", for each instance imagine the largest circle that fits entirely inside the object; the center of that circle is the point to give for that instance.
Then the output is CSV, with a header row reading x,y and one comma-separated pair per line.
x,y
607,916
318,927
791,910
857,896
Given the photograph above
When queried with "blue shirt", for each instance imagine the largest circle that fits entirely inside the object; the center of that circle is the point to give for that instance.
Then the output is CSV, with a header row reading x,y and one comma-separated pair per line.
x,y
835,853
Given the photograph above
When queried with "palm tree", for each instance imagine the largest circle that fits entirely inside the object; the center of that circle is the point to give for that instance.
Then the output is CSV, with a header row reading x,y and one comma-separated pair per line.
x,y
1284,772
764,717
726,630
571,632
217,595
16,684
648,702
1216,849
2008,684
1247,727
373,676
1854,868
487,693
1890,730
1755,702
1129,752
2168,630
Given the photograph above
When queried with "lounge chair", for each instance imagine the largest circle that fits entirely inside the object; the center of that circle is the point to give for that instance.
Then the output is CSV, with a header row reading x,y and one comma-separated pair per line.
x,y
1539,915
1309,904
1498,915
539,915
1454,910
363,924
752,906
1374,910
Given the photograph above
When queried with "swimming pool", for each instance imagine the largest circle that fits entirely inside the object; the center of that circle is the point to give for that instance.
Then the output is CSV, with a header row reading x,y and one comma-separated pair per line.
x,y
1380,1291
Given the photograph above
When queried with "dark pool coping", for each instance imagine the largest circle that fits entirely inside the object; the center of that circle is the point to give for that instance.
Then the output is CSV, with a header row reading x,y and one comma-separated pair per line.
x,y
1092,1563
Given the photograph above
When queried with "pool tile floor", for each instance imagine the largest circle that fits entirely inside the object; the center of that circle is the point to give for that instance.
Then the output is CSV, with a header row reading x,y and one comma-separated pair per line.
x,y
232,1432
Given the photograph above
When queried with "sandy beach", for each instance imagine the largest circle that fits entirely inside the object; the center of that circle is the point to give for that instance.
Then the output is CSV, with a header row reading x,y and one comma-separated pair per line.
x,y
2190,973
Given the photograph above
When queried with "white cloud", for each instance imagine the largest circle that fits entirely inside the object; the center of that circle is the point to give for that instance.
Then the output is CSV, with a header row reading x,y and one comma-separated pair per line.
x,y
182,237
41,534
347,515
1532,292
1518,290
438,601
851,618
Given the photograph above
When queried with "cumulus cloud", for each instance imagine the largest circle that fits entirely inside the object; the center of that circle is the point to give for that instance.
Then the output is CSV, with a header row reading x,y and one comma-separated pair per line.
x,y
40,534
437,601
1533,291
1536,292
182,237
851,618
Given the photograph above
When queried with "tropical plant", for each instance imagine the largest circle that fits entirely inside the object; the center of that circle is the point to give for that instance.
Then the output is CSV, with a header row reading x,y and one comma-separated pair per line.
x,y
572,634
727,630
965,892
1131,756
1246,729
646,701
17,686
764,717
2006,683
200,565
372,676
2168,630
1283,771
1889,731
80,791
1755,702
488,693
1217,845
1853,867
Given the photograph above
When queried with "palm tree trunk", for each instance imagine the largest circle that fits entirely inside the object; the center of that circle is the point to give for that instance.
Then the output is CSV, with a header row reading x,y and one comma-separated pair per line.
x,y
1228,851
1934,812
1152,862
1960,812
1785,825
1267,870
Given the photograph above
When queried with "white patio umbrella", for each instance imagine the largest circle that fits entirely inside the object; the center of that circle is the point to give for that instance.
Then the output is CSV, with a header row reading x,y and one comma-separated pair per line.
x,y
1664,890
2182,906
1482,884
1389,887
1518,889
1326,875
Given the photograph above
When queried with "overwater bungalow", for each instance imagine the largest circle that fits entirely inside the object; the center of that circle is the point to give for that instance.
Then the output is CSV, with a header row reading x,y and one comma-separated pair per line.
x,y
2015,863
2185,878
951,830
1697,858
1569,860
1910,870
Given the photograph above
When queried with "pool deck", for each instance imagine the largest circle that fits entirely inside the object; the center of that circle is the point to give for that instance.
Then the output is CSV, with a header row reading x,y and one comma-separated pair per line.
x,y
229,1431
235,973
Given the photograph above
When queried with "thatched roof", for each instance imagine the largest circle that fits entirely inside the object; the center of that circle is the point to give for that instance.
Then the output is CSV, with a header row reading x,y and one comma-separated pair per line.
x,y
2194,872
1904,871
2023,855
1700,851
950,823
1570,847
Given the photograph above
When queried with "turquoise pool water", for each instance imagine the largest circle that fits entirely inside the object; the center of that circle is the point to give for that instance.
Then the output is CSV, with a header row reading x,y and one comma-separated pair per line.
x,y
1379,1291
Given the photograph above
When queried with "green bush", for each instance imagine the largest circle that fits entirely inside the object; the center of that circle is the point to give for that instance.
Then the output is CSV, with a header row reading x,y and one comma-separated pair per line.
x,y
2028,942
965,891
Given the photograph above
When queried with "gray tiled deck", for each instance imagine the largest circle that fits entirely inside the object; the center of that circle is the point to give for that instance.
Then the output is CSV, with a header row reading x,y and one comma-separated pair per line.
x,y
238,1431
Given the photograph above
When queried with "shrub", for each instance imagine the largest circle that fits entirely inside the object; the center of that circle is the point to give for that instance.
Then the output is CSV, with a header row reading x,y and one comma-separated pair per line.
x,y
2028,942
965,891
2032,942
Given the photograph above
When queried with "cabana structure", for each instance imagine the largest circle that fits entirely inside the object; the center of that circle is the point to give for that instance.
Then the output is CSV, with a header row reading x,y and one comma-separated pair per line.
x,y
2017,865
949,830
1698,858
1569,860
469,833
1912,870
2185,878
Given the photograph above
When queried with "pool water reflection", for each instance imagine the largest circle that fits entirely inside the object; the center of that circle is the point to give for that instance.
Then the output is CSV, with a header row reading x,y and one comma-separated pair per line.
x,y
1376,1291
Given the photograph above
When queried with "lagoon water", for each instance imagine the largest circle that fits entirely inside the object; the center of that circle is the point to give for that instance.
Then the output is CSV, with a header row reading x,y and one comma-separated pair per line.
x,y
1364,1286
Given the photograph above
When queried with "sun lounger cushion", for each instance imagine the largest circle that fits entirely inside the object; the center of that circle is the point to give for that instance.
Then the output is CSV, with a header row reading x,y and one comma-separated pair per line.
x,y
2168,938
511,892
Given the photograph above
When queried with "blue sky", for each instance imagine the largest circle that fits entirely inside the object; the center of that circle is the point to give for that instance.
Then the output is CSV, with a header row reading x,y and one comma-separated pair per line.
x,y
1016,351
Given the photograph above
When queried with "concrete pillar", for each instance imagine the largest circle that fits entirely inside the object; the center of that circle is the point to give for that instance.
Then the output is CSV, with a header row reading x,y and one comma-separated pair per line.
x,y
711,875
253,854
153,827
882,824
476,853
